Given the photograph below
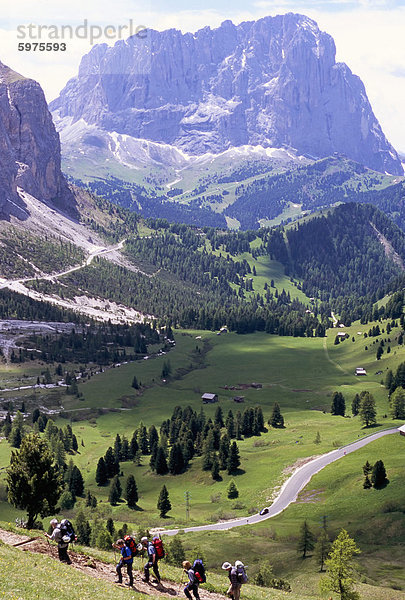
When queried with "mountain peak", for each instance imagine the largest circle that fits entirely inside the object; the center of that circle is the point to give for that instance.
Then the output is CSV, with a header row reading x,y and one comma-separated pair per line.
x,y
272,82
29,143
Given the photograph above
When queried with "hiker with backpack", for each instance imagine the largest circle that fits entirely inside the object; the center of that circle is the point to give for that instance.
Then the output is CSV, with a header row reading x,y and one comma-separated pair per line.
x,y
237,577
125,560
193,581
155,552
132,545
63,533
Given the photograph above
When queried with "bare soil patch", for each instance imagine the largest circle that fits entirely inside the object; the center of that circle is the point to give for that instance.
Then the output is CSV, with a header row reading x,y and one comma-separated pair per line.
x,y
298,463
98,569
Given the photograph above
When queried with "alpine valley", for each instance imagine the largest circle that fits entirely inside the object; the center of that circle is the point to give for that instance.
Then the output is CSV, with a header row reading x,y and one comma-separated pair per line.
x,y
202,271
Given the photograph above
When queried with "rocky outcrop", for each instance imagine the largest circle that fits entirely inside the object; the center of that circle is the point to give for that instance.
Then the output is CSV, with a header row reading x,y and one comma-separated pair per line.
x,y
273,82
29,143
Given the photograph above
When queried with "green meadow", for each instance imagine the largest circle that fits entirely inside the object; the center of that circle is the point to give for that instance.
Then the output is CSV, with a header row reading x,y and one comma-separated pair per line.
x,y
300,374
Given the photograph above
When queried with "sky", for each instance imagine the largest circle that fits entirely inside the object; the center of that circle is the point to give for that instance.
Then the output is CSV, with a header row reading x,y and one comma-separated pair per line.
x,y
369,37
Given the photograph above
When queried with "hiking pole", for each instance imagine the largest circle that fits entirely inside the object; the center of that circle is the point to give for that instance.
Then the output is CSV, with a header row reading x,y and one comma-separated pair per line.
x,y
50,547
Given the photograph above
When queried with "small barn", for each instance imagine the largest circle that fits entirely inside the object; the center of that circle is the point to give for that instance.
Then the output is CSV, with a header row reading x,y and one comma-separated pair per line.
x,y
239,399
360,371
402,430
257,386
209,398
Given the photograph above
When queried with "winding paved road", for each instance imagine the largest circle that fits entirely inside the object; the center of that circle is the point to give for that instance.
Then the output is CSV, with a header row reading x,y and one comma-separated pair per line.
x,y
291,487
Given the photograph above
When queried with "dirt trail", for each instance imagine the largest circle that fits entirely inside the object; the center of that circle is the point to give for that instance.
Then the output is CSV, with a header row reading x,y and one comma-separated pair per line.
x,y
98,569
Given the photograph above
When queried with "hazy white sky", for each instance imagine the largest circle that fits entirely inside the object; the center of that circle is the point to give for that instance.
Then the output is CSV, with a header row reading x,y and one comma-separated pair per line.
x,y
369,36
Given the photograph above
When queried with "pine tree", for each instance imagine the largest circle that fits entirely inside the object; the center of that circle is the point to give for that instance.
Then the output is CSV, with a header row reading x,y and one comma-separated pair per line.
x,y
207,457
259,420
135,383
218,418
389,381
115,491
224,449
367,410
232,491
82,529
76,483
338,406
306,541
215,469
153,456
379,475
233,460
17,431
110,463
276,419
143,439
356,405
238,426
131,492
161,463
230,425
153,437
322,548
110,526
317,439
397,404
75,445
339,568
176,460
33,479
90,501
125,451
117,447
163,503
176,554
133,445
101,473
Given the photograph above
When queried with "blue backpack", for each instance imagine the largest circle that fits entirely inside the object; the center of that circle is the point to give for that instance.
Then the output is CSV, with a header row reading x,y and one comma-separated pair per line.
x,y
199,570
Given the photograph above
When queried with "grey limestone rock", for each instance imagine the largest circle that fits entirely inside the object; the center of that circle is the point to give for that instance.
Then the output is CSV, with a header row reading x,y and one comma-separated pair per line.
x,y
272,82
29,143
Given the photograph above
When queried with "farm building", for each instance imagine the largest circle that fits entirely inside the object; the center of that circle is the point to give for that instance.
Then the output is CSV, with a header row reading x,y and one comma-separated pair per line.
x,y
257,386
402,430
239,399
360,371
209,398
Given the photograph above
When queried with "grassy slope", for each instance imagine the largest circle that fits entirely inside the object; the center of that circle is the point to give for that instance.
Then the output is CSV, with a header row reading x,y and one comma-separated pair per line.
x,y
300,374
43,576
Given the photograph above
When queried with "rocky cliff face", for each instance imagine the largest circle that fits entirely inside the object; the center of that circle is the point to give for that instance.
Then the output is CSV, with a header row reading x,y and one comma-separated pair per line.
x,y
271,82
29,143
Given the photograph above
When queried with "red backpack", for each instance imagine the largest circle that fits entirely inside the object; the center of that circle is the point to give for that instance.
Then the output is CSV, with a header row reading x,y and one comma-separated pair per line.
x,y
160,551
131,544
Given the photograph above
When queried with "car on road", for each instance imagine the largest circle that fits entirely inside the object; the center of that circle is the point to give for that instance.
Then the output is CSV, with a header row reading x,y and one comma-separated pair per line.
x,y
264,511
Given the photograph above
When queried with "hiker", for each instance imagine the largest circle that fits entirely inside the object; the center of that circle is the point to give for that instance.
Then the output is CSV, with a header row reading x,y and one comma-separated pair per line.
x,y
152,560
193,582
125,560
234,587
58,535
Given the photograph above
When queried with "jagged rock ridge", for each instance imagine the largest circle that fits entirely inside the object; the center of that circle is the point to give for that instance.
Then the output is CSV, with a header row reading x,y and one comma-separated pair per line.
x,y
272,82
29,143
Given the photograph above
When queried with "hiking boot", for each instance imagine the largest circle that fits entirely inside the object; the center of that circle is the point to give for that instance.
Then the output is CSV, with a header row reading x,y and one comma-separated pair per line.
x,y
145,580
117,581
129,584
